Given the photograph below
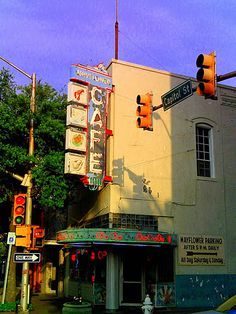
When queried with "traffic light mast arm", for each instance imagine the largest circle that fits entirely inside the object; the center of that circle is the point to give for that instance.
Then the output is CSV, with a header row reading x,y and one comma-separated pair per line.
x,y
157,107
226,76
15,176
25,181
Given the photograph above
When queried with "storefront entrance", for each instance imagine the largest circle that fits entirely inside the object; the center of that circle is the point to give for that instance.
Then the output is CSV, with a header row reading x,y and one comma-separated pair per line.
x,y
142,270
138,274
115,268
133,279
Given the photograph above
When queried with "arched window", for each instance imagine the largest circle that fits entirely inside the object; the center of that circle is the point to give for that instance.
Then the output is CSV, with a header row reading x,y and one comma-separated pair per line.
x,y
204,150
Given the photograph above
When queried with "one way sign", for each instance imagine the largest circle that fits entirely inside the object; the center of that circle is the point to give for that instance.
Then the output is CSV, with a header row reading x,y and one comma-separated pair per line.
x,y
27,257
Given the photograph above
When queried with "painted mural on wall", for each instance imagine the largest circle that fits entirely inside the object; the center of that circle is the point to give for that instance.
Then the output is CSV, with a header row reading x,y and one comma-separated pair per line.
x,y
88,93
165,295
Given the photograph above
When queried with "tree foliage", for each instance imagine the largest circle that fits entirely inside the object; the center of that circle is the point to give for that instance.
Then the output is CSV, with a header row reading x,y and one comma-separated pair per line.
x,y
50,187
3,247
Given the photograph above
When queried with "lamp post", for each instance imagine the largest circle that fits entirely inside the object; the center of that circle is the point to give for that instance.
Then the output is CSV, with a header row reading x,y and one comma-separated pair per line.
x,y
28,213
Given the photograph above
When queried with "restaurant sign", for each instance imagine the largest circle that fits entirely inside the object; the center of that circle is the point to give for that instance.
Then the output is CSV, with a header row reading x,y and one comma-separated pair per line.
x,y
91,75
88,92
97,235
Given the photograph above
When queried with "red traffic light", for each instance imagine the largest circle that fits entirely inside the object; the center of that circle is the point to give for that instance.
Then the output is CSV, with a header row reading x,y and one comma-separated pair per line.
x,y
19,209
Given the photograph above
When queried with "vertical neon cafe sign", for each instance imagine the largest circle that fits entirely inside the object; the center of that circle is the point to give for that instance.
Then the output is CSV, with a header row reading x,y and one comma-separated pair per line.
x,y
88,92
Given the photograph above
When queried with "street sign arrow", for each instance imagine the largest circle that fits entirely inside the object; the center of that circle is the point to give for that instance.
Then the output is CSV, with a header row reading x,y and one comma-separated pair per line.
x,y
27,257
191,253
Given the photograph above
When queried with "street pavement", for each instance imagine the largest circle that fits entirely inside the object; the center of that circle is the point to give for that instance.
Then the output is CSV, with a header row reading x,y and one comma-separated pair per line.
x,y
45,304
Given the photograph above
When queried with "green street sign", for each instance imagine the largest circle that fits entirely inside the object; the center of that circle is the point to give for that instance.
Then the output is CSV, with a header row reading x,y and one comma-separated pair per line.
x,y
177,94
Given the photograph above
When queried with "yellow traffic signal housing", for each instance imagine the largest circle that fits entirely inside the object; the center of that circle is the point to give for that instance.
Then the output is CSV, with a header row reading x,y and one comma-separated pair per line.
x,y
144,112
23,236
206,75
19,207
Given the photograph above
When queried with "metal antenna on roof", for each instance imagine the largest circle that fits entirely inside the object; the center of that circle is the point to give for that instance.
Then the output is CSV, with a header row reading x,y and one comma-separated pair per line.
x,y
116,32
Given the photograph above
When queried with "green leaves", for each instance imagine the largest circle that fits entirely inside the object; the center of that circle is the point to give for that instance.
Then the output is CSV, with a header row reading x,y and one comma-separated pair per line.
x,y
50,187
49,179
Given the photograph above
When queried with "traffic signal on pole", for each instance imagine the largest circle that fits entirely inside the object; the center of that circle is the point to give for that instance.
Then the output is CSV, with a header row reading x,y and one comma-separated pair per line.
x,y
19,208
206,75
23,236
144,112
38,237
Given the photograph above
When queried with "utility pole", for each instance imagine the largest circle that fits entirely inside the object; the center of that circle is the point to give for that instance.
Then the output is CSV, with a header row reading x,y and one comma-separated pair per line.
x,y
25,291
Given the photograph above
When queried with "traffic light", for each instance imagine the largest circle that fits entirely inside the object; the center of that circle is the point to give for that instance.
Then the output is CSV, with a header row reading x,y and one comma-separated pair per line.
x,y
19,209
206,75
38,237
23,236
144,112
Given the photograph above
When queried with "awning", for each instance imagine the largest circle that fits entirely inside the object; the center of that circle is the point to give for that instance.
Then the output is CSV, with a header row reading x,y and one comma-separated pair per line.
x,y
109,236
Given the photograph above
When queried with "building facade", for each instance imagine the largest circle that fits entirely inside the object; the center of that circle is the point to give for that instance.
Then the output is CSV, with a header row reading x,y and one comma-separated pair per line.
x,y
165,225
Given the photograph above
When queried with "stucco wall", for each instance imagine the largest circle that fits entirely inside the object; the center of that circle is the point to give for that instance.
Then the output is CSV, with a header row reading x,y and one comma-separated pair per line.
x,y
165,161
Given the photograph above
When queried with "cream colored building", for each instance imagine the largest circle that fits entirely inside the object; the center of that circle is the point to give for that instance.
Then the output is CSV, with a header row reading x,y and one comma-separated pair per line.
x,y
179,180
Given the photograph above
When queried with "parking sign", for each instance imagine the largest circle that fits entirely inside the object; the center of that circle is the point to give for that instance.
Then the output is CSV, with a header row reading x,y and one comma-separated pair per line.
x,y
11,238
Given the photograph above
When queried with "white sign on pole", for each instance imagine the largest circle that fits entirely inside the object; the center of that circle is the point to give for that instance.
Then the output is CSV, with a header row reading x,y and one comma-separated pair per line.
x,y
11,238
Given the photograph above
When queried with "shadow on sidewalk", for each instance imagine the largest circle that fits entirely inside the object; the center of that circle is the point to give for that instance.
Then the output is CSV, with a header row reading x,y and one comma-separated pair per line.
x,y
46,303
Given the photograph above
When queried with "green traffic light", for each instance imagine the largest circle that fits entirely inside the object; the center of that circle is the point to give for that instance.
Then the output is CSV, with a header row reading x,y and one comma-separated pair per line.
x,y
19,220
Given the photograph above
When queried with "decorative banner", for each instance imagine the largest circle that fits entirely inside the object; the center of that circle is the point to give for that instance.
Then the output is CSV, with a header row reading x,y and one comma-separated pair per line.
x,y
201,250
77,116
76,140
77,93
75,164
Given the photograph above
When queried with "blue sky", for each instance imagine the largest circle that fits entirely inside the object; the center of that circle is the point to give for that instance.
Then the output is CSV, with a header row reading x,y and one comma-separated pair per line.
x,y
46,36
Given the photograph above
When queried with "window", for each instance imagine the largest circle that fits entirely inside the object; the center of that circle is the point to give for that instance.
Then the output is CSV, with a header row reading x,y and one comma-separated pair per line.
x,y
204,150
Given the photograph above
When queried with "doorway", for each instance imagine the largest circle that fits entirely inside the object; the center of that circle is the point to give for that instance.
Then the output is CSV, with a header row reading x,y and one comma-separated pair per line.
x,y
132,278
142,269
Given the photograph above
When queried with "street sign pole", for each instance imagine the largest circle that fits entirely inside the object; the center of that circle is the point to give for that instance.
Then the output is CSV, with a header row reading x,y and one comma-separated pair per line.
x,y
11,238
6,273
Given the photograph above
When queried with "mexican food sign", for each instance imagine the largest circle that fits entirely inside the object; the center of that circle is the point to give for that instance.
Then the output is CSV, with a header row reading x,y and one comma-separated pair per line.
x,y
88,92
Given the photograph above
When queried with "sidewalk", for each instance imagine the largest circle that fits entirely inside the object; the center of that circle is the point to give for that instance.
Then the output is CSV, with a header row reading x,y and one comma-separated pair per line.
x,y
45,304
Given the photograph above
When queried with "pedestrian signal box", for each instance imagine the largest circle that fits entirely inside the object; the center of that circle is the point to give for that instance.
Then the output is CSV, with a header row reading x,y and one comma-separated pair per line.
x,y
23,236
